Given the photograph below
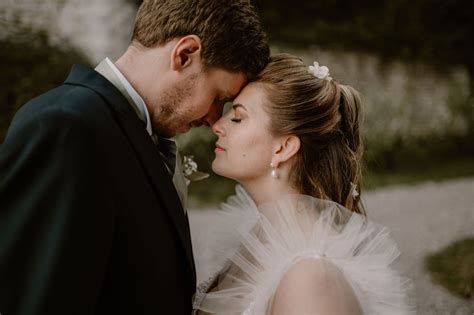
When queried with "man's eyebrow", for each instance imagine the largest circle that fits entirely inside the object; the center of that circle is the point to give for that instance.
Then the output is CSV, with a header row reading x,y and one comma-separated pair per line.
x,y
237,105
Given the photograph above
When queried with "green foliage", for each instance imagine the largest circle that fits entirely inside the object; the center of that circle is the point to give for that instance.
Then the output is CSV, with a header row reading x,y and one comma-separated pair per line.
x,y
30,65
409,154
418,172
452,267
211,191
430,30
434,32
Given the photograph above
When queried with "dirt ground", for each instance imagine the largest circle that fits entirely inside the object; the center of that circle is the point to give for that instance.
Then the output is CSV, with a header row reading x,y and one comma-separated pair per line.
x,y
423,218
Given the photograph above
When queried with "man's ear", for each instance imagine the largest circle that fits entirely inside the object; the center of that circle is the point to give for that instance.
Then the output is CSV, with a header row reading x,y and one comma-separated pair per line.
x,y
186,52
285,149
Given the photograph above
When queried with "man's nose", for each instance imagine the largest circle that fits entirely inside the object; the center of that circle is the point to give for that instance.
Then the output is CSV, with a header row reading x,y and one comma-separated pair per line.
x,y
215,112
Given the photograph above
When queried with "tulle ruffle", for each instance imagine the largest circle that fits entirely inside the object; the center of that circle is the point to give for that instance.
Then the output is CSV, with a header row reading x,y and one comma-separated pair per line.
x,y
255,247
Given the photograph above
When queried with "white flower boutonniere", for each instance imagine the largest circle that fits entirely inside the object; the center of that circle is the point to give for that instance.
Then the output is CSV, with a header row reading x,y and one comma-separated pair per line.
x,y
190,170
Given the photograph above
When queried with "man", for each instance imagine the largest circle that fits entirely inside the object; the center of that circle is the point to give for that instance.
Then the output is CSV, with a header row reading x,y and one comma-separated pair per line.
x,y
91,220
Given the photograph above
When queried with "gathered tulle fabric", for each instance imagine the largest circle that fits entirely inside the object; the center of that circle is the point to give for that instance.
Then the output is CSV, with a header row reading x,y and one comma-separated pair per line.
x,y
256,247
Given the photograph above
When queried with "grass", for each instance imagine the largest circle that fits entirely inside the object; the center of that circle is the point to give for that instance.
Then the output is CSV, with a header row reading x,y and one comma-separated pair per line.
x,y
423,171
453,267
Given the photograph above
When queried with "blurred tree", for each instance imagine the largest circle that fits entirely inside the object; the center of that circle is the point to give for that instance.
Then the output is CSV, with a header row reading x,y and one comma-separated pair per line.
x,y
435,32
30,65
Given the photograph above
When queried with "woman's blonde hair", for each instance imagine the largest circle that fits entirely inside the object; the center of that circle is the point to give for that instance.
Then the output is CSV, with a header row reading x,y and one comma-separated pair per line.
x,y
325,115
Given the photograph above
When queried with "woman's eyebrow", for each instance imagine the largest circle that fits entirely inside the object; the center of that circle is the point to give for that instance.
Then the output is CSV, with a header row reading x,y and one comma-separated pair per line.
x,y
237,105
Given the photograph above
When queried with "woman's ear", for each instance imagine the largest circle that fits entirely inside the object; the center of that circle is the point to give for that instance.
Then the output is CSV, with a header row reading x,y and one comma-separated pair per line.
x,y
287,147
187,51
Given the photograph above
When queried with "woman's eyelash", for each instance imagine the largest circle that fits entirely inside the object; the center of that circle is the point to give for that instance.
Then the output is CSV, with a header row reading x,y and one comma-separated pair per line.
x,y
236,120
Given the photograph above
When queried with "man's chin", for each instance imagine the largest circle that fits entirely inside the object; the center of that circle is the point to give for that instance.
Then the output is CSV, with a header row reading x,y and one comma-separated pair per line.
x,y
165,133
184,129
171,132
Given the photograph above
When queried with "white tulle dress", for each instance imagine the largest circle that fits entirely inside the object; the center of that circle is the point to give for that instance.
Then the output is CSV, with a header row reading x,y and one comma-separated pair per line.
x,y
255,247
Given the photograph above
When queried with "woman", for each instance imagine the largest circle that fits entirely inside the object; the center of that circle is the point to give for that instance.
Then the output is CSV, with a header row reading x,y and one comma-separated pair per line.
x,y
295,239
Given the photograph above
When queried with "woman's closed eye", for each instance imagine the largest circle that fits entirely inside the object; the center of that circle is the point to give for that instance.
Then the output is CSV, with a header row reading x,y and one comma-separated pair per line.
x,y
236,119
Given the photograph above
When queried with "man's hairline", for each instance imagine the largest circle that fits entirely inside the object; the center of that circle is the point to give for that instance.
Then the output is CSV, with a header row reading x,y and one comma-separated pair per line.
x,y
136,44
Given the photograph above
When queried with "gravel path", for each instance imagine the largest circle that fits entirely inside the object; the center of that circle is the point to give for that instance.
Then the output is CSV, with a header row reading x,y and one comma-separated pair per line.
x,y
423,219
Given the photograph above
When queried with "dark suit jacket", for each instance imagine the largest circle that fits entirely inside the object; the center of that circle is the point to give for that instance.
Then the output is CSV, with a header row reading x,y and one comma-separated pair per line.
x,y
90,221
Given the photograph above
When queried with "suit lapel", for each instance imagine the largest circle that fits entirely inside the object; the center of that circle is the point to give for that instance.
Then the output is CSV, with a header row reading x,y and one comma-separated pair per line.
x,y
144,148
158,175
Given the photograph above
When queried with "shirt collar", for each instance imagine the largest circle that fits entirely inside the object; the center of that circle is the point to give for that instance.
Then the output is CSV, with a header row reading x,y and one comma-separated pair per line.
x,y
137,99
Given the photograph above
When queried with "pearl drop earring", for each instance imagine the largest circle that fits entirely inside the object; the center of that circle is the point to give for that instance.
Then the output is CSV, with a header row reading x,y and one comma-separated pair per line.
x,y
274,173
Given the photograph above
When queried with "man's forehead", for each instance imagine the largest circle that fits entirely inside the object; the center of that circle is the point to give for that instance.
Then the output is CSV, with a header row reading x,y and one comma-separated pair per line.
x,y
232,84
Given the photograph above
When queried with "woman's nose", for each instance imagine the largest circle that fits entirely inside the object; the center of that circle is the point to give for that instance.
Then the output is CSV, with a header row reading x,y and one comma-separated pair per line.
x,y
217,127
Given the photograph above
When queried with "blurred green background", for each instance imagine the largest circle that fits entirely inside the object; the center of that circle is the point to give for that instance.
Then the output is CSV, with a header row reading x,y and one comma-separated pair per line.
x,y
411,60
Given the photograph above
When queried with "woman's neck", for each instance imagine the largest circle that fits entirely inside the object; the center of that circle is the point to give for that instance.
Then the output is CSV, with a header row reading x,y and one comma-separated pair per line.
x,y
268,189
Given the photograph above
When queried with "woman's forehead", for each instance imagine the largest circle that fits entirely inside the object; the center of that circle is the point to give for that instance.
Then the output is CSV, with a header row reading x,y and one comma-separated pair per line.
x,y
250,98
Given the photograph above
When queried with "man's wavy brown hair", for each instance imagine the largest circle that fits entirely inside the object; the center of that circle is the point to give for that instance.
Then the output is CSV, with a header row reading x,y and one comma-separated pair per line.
x,y
230,31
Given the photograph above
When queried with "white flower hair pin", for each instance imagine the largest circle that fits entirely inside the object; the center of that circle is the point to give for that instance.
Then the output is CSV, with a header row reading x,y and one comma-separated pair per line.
x,y
320,72
190,170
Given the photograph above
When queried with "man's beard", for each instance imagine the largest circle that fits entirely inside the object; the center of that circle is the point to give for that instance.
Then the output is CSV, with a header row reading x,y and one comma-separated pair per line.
x,y
171,115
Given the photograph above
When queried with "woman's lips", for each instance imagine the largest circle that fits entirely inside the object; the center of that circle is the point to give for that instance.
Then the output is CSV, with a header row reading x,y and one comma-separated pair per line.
x,y
219,148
